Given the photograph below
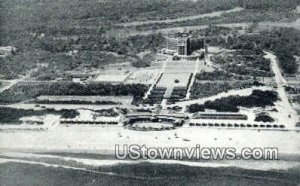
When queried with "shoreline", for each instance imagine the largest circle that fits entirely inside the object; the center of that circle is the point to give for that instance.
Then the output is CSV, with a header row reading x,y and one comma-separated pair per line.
x,y
61,161
96,145
110,155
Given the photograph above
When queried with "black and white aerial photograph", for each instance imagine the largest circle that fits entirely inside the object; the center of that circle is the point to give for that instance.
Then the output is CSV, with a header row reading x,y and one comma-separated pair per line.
x,y
149,92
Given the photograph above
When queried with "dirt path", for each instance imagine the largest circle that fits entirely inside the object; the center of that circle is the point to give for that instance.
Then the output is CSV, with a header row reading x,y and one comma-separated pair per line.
x,y
187,18
289,112
15,81
262,25
294,24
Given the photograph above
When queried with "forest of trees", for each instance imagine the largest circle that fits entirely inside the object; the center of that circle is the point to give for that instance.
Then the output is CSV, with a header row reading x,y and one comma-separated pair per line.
x,y
219,75
267,4
258,98
200,90
284,42
92,50
12,115
21,92
45,31
264,118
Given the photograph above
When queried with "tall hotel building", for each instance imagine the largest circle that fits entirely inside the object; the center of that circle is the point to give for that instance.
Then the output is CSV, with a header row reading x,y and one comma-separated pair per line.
x,y
184,45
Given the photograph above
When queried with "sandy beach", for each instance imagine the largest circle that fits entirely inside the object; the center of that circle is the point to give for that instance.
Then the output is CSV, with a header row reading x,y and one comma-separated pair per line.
x,y
102,140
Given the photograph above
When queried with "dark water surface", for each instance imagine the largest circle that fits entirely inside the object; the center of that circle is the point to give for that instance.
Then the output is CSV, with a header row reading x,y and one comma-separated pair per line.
x,y
14,174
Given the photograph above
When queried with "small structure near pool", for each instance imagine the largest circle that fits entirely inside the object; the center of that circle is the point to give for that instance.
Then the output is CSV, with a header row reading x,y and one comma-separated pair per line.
x,y
151,122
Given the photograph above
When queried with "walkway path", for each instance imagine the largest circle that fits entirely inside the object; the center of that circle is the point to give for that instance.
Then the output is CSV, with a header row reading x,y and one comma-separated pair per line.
x,y
157,78
187,18
15,81
196,70
289,112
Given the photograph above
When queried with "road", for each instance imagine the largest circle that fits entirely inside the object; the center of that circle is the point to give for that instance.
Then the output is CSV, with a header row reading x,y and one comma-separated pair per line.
x,y
290,113
294,24
274,65
187,18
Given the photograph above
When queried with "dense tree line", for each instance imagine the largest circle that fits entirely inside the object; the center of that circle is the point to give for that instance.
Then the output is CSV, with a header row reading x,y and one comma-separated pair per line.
x,y
264,118
93,42
267,4
258,98
144,61
218,75
44,31
284,42
42,36
21,92
107,112
11,67
251,15
12,115
93,51
200,90
126,10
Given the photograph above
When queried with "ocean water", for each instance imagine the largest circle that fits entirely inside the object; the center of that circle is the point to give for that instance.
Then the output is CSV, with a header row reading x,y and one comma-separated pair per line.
x,y
145,173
